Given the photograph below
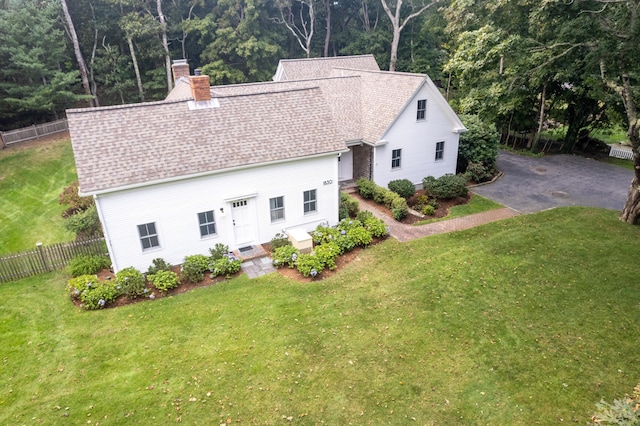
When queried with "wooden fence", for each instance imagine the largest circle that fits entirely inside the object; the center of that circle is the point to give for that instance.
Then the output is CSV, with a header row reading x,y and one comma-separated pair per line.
x,y
43,259
33,132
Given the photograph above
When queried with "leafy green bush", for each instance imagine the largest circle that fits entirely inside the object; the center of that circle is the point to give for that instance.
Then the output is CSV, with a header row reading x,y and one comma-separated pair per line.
x,y
379,194
420,201
309,264
389,198
91,293
360,236
623,411
85,223
363,215
365,187
477,172
279,240
164,280
87,264
130,282
445,187
218,251
228,264
345,242
194,267
428,210
399,208
324,234
327,254
158,264
349,206
479,144
376,227
285,256
402,187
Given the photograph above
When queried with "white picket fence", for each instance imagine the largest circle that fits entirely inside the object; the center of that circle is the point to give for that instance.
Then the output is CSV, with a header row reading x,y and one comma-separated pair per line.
x,y
621,152
33,132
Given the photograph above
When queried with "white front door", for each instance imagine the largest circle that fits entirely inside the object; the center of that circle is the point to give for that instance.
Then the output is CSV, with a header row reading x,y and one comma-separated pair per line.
x,y
345,166
242,221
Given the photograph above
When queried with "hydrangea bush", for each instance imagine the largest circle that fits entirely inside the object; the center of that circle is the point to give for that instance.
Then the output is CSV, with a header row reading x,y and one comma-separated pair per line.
x,y
92,293
131,282
164,280
285,256
228,264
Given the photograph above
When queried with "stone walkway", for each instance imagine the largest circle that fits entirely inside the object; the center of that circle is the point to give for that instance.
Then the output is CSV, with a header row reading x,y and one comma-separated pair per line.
x,y
260,264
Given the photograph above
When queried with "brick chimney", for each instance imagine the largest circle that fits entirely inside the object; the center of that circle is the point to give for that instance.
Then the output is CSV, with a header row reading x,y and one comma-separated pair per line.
x,y
180,69
200,87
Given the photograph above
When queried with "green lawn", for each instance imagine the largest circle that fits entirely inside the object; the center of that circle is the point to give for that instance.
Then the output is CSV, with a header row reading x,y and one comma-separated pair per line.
x,y
30,182
530,320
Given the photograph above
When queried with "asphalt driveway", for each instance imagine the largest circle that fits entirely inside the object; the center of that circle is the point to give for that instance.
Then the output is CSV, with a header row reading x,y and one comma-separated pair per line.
x,y
534,184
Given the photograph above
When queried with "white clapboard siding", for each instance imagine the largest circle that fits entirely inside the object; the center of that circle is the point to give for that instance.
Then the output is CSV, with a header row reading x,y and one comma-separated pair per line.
x,y
174,206
418,139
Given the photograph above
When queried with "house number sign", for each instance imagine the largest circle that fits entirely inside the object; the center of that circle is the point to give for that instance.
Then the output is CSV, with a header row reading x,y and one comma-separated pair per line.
x,y
328,182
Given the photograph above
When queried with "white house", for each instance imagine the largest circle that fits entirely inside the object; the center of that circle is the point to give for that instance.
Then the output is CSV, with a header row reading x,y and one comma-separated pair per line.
x,y
237,164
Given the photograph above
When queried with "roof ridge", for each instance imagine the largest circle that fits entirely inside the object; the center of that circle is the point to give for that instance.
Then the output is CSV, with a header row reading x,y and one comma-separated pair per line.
x,y
125,106
327,58
285,90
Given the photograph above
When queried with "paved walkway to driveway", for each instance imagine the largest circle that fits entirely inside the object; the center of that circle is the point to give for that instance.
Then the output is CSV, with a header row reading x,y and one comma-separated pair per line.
x,y
534,184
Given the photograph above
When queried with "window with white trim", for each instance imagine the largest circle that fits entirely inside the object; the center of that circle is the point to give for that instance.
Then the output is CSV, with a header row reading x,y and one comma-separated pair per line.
x,y
148,235
439,151
396,156
207,221
310,201
276,208
422,110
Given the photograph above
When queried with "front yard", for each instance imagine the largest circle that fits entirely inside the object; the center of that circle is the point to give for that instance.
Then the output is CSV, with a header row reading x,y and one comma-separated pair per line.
x,y
530,320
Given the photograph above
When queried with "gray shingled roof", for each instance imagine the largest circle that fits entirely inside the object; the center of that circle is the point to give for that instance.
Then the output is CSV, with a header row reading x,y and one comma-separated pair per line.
x,y
303,69
124,146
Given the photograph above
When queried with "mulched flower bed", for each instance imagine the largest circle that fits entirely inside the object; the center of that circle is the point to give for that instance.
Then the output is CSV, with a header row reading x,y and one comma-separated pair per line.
x,y
184,287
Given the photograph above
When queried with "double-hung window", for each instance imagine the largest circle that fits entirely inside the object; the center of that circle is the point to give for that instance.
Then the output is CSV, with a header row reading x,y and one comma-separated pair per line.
x,y
422,110
439,150
207,223
276,207
148,235
396,156
310,201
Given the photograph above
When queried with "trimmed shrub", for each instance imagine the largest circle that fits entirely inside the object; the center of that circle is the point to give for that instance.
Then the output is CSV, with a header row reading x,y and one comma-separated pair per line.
x,y
428,210
363,215
345,242
309,265
447,186
218,251
164,280
349,206
379,194
85,223
87,264
130,282
228,264
194,267
365,187
279,240
158,264
402,187
77,285
399,208
389,198
285,256
478,173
